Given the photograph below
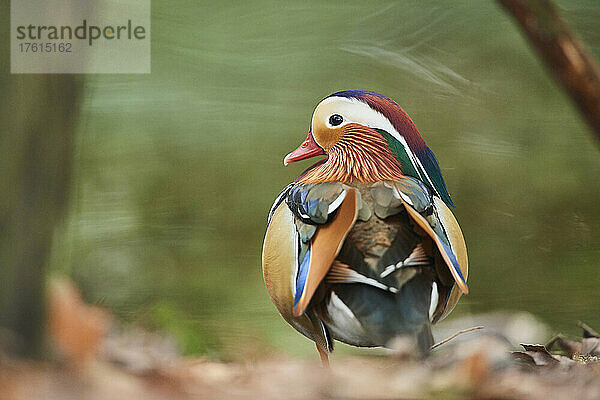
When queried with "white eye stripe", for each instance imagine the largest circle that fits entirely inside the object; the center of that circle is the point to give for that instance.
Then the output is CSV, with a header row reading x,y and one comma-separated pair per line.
x,y
354,110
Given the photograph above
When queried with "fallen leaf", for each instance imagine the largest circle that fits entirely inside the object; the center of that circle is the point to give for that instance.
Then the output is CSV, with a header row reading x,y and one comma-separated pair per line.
x,y
540,355
74,327
590,346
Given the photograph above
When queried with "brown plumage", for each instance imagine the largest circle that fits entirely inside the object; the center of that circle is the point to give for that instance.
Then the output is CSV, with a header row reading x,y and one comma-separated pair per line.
x,y
361,154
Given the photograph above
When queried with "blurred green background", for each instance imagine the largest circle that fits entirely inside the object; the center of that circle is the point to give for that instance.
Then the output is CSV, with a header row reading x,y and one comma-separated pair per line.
x,y
175,171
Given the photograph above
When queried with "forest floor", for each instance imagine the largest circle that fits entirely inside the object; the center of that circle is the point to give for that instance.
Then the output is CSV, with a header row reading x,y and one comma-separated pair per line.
x,y
132,364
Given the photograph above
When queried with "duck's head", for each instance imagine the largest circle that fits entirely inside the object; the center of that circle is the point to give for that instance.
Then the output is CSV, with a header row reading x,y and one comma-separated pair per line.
x,y
366,137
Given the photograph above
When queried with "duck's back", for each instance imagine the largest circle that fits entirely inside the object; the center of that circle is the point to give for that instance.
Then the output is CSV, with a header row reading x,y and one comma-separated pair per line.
x,y
362,263
380,285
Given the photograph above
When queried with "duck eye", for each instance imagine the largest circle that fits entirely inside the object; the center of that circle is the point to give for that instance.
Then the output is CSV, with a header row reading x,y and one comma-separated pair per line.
x,y
335,120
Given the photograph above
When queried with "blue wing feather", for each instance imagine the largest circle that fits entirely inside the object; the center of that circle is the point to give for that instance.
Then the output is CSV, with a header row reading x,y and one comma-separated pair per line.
x,y
302,275
448,250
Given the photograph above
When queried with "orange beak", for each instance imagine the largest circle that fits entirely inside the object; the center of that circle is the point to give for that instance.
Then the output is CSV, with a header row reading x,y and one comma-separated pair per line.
x,y
309,148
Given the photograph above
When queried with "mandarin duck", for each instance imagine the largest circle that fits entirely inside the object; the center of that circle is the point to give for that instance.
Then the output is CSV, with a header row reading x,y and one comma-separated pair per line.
x,y
362,247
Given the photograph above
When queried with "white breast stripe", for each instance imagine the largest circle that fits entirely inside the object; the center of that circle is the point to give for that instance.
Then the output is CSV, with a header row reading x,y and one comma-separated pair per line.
x,y
337,202
434,300
406,198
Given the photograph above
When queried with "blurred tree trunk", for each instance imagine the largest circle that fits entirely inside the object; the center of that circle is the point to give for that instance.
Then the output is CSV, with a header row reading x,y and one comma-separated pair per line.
x,y
37,121
562,52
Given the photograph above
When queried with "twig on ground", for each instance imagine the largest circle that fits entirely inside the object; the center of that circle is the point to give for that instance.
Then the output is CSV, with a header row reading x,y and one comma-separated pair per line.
x,y
587,331
475,328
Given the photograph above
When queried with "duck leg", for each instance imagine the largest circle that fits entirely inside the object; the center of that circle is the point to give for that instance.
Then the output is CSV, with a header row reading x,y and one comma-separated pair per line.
x,y
324,356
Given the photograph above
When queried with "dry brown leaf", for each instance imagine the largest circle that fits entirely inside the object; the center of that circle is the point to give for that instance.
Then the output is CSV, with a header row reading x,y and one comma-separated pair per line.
x,y
590,346
536,353
74,327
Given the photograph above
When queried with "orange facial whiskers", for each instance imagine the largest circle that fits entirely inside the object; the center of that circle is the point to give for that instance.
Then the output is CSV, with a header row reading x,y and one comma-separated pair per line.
x,y
361,155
